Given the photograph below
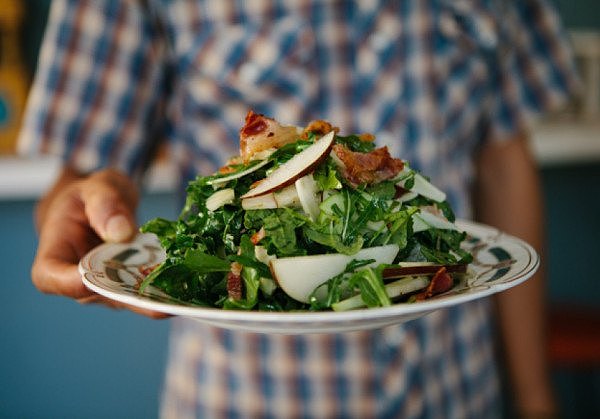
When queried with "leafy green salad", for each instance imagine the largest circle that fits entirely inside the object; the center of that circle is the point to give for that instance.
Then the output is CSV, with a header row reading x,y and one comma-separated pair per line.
x,y
307,219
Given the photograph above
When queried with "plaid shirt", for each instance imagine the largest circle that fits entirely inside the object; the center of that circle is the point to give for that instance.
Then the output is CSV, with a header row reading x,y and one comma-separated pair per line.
x,y
432,79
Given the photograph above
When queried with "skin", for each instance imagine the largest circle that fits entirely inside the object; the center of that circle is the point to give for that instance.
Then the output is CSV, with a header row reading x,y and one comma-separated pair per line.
x,y
508,196
75,215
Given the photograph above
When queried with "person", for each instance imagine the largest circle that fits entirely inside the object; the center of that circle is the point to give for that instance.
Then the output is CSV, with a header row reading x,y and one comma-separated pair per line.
x,y
450,86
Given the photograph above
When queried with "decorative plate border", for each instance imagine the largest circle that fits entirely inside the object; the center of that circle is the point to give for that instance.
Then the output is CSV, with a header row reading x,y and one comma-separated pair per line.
x,y
115,271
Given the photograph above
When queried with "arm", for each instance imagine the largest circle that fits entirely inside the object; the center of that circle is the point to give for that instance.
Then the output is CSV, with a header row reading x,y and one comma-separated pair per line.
x,y
508,196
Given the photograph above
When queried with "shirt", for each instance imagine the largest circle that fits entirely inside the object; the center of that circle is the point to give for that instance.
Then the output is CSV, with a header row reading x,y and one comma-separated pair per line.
x,y
433,79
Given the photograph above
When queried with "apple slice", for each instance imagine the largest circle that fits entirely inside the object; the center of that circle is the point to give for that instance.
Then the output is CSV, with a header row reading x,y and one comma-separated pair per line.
x,y
299,276
296,167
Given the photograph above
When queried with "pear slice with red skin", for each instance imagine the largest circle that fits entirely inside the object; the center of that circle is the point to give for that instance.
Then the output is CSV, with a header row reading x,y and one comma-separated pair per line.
x,y
299,276
421,269
237,175
296,167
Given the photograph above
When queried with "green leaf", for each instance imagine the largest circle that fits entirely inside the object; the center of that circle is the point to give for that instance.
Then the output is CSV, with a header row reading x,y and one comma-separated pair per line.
x,y
251,285
354,143
372,288
326,176
200,262
280,227
159,226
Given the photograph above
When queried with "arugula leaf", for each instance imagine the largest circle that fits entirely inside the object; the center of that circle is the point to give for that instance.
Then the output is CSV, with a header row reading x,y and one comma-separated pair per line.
x,y
372,288
280,227
326,176
198,261
251,285
159,226
354,143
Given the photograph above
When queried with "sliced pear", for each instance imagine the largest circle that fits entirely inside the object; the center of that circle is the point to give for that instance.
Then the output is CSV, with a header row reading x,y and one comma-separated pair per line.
x,y
299,276
394,289
296,167
308,193
220,198
237,175
284,198
266,201
287,197
424,220
420,268
427,189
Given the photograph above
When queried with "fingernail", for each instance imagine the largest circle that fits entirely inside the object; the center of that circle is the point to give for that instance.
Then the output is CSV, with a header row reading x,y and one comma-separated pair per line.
x,y
118,228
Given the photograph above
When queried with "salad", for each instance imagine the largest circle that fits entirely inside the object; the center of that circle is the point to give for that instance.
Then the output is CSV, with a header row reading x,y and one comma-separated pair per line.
x,y
308,219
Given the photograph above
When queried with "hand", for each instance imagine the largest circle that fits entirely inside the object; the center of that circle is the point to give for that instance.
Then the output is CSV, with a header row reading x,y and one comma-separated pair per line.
x,y
77,215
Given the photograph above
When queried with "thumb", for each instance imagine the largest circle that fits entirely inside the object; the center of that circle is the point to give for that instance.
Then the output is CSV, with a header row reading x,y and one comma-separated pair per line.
x,y
117,228
110,201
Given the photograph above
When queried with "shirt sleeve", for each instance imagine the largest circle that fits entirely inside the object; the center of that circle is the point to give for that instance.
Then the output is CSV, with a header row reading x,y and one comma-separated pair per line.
x,y
534,68
99,87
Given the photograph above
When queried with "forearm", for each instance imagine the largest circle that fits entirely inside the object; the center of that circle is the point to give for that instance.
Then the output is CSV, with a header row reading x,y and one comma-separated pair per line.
x,y
509,197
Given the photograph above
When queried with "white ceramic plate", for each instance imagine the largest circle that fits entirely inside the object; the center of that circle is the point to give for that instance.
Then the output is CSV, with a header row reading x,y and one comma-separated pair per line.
x,y
116,270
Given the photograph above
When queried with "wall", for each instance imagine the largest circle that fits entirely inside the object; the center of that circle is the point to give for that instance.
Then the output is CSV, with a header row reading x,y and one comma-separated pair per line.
x,y
61,360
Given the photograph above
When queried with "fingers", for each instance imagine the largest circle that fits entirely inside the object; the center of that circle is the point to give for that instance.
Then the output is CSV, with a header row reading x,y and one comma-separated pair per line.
x,y
76,219
109,200
53,276
76,216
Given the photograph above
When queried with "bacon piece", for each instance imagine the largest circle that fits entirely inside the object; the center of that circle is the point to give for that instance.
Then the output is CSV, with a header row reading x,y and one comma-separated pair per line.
x,y
367,168
234,286
225,170
441,282
319,127
146,270
400,191
258,236
234,282
261,133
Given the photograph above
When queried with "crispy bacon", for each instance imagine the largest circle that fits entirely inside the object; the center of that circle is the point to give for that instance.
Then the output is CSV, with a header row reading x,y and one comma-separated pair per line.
x,y
258,236
319,127
261,133
234,282
441,282
367,168
400,191
234,286
146,270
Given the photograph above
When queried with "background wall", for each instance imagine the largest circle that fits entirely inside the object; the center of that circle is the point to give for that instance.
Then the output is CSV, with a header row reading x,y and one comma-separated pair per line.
x,y
59,359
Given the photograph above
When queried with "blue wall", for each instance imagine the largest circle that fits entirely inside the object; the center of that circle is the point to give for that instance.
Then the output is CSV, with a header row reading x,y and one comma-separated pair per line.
x,y
59,359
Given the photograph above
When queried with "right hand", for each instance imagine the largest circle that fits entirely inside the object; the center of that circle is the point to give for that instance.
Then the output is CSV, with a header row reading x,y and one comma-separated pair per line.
x,y
75,216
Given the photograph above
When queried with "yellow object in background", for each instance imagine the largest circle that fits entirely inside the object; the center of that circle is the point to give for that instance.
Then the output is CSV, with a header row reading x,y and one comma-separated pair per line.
x,y
13,75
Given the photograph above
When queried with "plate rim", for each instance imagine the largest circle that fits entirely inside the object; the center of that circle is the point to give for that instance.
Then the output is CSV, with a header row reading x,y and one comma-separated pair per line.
x,y
215,315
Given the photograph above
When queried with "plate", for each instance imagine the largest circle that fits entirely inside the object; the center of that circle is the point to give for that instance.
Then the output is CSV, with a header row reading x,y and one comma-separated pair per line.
x,y
500,262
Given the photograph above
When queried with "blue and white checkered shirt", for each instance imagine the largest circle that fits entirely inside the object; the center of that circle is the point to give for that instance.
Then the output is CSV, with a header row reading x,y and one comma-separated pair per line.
x,y
432,79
